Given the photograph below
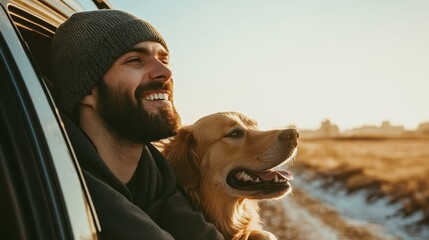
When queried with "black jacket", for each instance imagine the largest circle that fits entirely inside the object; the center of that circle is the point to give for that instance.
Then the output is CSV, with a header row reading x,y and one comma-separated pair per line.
x,y
150,207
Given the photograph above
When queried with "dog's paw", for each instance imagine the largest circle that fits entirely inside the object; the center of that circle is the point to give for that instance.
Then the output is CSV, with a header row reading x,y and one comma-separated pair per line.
x,y
261,235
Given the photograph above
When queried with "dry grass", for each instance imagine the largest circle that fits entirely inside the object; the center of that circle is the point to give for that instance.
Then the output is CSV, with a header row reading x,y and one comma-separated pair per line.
x,y
396,168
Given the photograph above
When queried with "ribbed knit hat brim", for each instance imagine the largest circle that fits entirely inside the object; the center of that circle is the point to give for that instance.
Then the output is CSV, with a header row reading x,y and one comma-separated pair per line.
x,y
86,45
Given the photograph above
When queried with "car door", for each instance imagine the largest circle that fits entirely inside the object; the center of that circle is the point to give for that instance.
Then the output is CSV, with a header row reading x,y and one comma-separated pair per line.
x,y
42,192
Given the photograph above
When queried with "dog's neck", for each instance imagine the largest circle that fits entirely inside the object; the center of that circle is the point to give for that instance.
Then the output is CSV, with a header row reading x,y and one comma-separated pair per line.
x,y
233,218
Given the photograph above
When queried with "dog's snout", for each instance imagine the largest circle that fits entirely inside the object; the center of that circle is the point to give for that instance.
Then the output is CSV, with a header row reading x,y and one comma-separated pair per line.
x,y
289,135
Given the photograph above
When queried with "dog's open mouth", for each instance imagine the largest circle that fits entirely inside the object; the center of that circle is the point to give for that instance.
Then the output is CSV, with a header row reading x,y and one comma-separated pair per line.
x,y
248,180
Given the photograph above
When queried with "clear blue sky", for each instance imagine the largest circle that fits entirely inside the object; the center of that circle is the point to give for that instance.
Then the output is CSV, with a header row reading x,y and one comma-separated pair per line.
x,y
296,62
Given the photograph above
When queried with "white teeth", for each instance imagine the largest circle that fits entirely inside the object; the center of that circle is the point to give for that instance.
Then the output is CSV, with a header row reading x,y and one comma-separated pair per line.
x,y
276,179
245,177
156,96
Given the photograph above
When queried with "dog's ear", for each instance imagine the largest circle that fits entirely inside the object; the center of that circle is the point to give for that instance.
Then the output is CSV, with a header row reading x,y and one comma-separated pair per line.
x,y
180,152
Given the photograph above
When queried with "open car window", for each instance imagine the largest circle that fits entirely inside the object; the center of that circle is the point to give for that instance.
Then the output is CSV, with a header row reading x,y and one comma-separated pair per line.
x,y
46,196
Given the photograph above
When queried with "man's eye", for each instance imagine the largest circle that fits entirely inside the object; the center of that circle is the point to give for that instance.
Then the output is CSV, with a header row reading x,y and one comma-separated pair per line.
x,y
133,60
236,133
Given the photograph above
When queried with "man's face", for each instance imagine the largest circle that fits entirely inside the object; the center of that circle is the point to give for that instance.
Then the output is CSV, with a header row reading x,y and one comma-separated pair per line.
x,y
136,95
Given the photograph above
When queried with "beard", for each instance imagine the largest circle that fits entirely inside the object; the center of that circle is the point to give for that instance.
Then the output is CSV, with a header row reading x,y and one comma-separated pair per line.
x,y
129,119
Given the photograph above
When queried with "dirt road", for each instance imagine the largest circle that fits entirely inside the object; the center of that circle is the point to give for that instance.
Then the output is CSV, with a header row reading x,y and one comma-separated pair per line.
x,y
313,213
304,218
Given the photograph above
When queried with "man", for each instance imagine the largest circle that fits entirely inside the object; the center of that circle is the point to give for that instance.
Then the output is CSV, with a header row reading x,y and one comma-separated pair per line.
x,y
111,76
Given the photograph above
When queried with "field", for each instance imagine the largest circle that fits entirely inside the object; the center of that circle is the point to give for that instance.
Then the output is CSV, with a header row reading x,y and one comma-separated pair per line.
x,y
396,168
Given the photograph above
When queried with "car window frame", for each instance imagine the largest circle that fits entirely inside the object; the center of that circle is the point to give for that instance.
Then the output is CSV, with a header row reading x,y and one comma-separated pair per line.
x,y
58,164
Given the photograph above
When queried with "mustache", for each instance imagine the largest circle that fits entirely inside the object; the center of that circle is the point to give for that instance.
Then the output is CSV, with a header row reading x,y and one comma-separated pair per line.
x,y
153,86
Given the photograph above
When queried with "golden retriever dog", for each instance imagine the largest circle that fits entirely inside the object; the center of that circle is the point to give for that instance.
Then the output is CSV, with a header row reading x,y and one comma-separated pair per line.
x,y
225,165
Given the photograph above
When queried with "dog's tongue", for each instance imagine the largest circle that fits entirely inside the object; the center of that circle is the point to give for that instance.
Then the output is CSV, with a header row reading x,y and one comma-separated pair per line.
x,y
271,174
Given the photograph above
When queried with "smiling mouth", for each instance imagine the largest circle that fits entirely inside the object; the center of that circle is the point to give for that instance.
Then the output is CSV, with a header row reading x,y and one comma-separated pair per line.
x,y
156,96
248,180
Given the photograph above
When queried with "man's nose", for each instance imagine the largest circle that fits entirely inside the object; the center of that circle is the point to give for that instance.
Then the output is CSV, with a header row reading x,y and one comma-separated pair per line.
x,y
289,135
160,72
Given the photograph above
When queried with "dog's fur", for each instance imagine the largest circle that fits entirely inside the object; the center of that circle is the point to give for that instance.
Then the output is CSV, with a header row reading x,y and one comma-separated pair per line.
x,y
208,154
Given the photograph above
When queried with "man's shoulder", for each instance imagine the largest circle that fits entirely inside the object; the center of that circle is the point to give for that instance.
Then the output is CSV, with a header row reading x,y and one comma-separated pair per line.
x,y
119,218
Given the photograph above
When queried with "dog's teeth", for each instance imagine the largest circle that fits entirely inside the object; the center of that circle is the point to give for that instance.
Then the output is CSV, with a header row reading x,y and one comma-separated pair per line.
x,y
276,178
247,178
242,176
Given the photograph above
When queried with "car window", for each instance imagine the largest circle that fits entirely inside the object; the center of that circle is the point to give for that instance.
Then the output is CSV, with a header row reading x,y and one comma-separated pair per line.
x,y
9,216
37,30
84,4
53,202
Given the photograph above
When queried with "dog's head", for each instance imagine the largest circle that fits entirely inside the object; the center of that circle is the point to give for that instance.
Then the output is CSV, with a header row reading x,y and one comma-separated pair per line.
x,y
226,152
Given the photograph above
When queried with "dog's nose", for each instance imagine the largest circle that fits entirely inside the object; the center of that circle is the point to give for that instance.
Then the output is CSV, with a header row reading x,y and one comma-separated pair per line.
x,y
289,135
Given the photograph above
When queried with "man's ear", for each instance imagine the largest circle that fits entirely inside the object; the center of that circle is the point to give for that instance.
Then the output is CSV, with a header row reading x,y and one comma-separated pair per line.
x,y
91,98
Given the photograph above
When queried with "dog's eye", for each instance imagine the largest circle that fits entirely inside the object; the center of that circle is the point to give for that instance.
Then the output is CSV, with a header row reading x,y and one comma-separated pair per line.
x,y
236,133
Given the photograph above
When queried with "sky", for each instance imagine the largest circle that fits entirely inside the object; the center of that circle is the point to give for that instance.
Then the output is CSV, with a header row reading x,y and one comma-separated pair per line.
x,y
284,62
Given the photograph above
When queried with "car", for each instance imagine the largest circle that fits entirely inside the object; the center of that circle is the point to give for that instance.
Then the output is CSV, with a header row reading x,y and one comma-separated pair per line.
x,y
43,193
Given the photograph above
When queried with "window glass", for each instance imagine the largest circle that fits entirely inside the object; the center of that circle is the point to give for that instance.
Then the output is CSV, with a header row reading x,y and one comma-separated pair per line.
x,y
85,4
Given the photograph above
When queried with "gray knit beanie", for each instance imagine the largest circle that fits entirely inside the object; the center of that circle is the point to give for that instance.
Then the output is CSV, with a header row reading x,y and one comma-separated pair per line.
x,y
86,45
